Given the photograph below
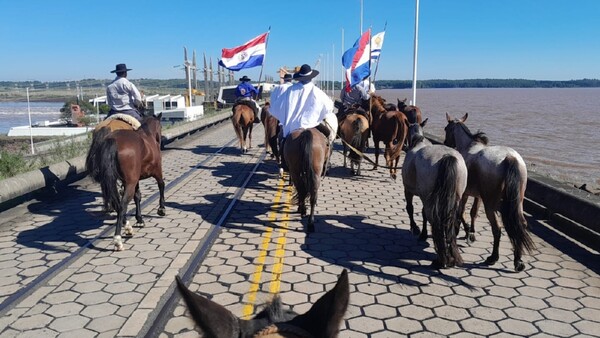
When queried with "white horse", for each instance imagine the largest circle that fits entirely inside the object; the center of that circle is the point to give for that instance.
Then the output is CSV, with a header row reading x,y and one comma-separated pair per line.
x,y
498,176
438,175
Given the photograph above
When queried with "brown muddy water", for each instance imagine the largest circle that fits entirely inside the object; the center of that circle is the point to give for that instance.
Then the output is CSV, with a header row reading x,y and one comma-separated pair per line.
x,y
557,130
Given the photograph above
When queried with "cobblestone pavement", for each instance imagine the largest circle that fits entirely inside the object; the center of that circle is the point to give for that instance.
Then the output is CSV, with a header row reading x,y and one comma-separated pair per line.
x,y
361,226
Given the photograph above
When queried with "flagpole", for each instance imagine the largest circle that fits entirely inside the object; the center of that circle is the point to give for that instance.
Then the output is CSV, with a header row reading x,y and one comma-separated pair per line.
x,y
379,56
30,129
414,81
361,17
343,70
264,58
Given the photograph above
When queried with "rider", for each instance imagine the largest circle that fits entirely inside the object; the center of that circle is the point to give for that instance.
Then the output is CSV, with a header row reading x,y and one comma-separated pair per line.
x,y
245,91
356,95
303,105
123,96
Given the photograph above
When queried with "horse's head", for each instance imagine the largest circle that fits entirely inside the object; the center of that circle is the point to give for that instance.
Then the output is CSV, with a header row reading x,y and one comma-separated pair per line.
x,y
415,132
151,126
401,104
322,320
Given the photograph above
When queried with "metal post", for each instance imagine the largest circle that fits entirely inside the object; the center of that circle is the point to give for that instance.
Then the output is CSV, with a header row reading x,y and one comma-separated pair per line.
x,y
30,128
414,81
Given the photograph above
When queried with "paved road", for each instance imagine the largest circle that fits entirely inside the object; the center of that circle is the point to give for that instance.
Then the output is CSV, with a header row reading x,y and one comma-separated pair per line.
x,y
230,223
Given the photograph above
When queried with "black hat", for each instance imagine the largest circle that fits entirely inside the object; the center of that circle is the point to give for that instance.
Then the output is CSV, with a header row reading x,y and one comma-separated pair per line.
x,y
287,77
245,78
305,73
120,68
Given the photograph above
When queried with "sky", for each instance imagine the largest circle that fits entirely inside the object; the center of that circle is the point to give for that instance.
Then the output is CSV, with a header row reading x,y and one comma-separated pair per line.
x,y
62,40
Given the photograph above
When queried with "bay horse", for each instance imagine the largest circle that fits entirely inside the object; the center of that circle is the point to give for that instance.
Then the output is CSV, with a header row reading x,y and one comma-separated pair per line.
x,y
354,130
306,152
389,127
272,129
128,156
243,121
497,175
438,175
323,319
413,113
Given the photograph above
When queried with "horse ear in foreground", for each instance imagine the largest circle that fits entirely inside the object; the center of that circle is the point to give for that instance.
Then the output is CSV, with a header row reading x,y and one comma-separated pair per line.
x,y
321,321
127,156
306,152
438,175
498,176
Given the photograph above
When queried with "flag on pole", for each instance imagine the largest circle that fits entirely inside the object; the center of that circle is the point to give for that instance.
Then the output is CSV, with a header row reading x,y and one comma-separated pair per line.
x,y
356,60
248,55
376,44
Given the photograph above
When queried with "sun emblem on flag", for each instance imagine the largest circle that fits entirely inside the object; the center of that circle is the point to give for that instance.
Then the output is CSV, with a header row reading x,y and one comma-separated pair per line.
x,y
378,41
243,56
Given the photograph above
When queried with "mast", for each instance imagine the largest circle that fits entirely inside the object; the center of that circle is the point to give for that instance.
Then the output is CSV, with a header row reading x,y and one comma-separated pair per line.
x,y
414,80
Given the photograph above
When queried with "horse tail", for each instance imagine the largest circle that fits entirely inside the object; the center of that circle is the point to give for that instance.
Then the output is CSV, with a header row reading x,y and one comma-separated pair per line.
x,y
108,172
308,176
92,159
444,204
357,139
401,133
511,207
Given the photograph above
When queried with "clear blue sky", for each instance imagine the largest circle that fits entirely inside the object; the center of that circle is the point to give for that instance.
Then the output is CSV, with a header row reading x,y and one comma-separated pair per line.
x,y
62,40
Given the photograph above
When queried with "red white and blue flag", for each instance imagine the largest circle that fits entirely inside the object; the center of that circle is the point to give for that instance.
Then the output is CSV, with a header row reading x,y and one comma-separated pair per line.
x,y
357,59
248,55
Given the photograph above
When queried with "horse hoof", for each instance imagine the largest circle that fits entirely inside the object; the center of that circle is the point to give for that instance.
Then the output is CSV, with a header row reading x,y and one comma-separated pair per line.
x,y
423,237
437,264
280,172
140,224
161,212
471,237
394,176
118,243
519,266
491,260
415,230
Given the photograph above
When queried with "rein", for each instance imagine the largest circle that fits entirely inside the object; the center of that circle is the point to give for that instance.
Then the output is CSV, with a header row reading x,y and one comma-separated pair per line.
x,y
362,155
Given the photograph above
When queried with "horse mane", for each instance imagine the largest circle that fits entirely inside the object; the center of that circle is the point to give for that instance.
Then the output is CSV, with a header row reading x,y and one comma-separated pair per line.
x,y
480,136
416,138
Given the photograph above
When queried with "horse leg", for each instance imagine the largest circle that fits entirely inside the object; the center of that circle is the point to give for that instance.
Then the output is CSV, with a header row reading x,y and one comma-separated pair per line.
x,y
461,209
491,215
311,218
126,197
423,236
345,153
250,135
376,143
161,191
474,212
137,197
410,210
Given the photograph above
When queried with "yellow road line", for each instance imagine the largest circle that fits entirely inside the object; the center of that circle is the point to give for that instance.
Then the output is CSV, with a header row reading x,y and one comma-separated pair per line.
x,y
262,255
280,251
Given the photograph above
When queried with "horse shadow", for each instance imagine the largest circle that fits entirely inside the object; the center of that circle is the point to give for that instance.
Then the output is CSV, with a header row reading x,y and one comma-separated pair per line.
x,y
70,221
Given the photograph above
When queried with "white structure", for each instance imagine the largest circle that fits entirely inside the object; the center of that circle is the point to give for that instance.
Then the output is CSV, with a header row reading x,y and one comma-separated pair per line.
x,y
173,107
48,130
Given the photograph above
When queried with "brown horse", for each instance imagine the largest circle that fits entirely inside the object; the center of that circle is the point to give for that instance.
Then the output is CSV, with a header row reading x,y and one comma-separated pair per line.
x,y
243,121
323,319
272,128
128,156
413,113
390,128
354,130
306,152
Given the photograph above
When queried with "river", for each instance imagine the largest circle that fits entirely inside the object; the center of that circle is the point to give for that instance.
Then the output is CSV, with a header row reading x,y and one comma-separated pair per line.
x,y
13,114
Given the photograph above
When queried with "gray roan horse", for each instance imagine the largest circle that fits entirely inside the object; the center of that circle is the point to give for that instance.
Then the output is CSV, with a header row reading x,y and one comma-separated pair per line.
x,y
498,176
438,175
321,321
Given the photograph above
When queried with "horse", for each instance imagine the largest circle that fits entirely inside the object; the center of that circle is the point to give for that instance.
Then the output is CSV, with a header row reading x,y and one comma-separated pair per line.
x,y
272,129
438,175
354,130
389,127
413,113
323,319
497,175
128,156
306,152
243,121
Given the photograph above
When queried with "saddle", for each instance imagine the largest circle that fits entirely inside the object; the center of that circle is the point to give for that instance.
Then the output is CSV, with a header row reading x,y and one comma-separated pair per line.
x,y
249,104
119,121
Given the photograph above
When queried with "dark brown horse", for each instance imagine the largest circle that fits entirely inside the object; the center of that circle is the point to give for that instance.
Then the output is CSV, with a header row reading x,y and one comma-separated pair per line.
x,y
322,320
390,128
413,113
354,130
243,121
272,128
306,152
128,156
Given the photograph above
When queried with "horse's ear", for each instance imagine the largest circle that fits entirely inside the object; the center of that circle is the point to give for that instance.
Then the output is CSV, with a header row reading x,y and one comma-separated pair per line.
x,y
159,116
424,122
448,117
214,319
464,118
324,317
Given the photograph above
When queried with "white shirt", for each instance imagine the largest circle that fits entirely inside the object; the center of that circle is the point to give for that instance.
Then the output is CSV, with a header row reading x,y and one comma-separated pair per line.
x,y
280,89
360,91
122,95
301,106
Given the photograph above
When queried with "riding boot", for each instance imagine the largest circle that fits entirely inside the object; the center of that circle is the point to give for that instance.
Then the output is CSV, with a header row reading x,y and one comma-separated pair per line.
x,y
281,139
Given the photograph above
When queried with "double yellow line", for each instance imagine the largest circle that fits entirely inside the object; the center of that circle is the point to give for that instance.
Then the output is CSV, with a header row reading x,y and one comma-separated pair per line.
x,y
279,209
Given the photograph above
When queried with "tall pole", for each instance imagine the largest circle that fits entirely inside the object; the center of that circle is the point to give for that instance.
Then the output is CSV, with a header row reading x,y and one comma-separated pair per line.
x,y
361,16
30,128
264,59
343,70
414,81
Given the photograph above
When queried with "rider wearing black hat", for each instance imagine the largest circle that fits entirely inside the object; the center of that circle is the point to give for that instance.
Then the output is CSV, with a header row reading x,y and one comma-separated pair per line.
x,y
123,96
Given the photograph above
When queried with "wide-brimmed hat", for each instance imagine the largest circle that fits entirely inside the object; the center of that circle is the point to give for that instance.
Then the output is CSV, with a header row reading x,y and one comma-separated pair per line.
x,y
120,68
305,73
287,77
245,78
